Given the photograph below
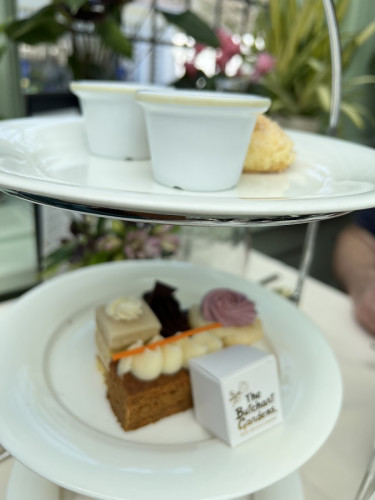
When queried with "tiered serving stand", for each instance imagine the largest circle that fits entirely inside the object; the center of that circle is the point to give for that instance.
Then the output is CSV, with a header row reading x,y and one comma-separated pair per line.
x,y
54,418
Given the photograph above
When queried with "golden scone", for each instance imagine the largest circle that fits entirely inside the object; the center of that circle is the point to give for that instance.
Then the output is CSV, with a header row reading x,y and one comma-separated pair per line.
x,y
270,149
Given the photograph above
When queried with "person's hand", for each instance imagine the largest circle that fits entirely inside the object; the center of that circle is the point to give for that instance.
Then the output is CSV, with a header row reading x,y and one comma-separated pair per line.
x,y
354,267
364,305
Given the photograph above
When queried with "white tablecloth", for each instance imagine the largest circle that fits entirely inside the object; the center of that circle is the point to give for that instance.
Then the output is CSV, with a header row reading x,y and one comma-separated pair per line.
x,y
335,472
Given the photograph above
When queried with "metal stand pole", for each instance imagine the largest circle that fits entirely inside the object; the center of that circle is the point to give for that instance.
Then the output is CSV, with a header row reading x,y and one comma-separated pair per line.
x,y
307,256
312,227
334,41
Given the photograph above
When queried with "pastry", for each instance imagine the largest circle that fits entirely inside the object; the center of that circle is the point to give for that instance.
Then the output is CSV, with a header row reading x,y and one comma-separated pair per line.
x,y
167,309
122,322
149,379
234,311
270,148
154,383
137,403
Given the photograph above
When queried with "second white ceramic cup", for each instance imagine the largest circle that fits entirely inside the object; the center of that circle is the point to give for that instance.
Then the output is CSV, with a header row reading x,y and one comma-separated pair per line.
x,y
199,139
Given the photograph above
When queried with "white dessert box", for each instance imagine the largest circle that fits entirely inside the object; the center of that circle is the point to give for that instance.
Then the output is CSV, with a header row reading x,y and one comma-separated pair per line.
x,y
236,392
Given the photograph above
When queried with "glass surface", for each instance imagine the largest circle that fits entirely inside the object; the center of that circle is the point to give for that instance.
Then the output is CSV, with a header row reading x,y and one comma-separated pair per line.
x,y
18,251
223,248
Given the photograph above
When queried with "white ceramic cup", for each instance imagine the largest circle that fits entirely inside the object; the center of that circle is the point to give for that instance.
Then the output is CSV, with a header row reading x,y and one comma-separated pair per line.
x,y
199,139
114,121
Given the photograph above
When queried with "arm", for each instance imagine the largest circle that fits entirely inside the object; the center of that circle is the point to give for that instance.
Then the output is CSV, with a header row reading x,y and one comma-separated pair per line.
x,y
354,267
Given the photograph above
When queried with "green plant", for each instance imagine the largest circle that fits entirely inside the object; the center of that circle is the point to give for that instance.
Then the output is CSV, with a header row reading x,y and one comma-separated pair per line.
x,y
94,27
296,34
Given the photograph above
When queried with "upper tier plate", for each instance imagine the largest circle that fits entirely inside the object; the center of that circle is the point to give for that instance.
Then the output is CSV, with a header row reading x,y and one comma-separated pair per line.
x,y
47,160
56,420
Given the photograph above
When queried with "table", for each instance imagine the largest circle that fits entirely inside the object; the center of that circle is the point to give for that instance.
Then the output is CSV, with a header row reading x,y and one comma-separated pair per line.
x,y
336,470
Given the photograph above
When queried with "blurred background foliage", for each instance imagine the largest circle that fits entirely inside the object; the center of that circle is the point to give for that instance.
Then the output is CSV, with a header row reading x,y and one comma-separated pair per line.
x,y
296,35
279,48
95,31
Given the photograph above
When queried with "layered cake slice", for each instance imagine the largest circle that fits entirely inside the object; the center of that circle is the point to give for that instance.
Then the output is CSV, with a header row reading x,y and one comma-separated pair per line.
x,y
148,382
137,402
122,322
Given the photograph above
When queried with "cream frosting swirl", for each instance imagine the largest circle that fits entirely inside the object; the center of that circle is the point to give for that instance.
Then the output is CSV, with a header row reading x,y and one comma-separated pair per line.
x,y
228,307
124,308
148,365
168,358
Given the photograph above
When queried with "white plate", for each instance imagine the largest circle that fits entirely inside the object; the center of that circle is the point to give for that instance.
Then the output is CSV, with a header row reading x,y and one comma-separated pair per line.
x,y
56,420
46,160
26,485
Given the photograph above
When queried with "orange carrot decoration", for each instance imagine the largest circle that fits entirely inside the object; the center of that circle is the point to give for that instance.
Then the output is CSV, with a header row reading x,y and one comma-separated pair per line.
x,y
169,340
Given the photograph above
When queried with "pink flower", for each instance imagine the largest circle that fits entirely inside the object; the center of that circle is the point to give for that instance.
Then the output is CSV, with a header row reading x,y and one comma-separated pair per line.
x,y
190,69
264,64
140,245
228,48
198,47
152,248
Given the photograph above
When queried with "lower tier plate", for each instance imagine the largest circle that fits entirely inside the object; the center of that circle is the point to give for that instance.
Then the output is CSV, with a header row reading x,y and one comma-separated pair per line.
x,y
26,485
55,418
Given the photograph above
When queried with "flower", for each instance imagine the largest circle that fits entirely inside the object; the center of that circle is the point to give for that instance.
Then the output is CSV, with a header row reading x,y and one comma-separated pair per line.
x,y
140,244
94,240
109,243
264,64
228,49
232,66
190,69
220,57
